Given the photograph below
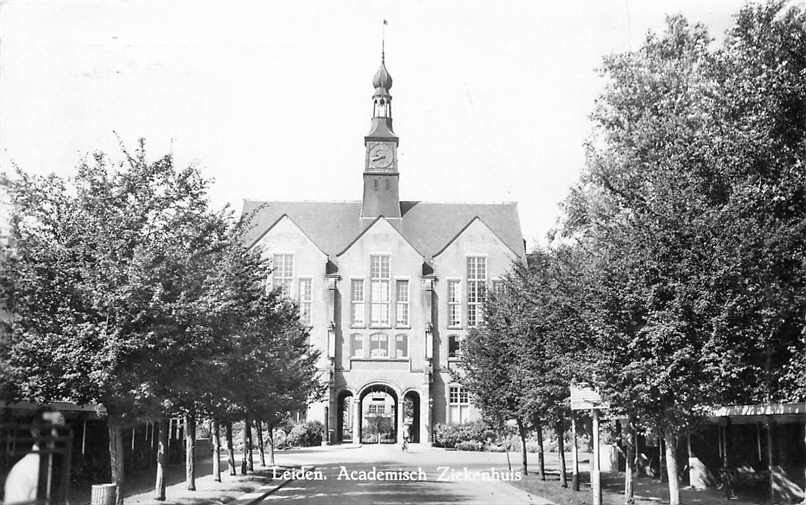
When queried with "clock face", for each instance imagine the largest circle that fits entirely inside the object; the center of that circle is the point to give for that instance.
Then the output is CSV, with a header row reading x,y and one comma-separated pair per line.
x,y
381,156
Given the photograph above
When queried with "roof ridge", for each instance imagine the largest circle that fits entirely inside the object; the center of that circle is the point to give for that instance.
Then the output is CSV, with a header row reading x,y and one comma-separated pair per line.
x,y
301,201
447,202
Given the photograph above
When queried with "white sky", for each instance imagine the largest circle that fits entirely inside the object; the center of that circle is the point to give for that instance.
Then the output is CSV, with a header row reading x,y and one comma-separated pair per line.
x,y
272,99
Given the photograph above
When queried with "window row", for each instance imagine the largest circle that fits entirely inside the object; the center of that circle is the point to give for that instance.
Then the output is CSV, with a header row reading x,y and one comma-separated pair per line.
x,y
476,291
381,288
380,346
282,276
380,296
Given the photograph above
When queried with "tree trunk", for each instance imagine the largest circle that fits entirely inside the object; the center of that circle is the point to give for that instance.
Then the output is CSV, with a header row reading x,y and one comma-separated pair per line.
x,y
245,440
541,461
661,458
116,456
259,428
671,466
190,451
215,431
506,450
561,452
251,462
629,456
574,453
162,459
271,445
230,448
522,432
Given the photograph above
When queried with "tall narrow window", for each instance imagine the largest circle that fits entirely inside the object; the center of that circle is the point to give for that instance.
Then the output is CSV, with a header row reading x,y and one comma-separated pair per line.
x,y
357,346
379,290
476,285
459,404
357,301
401,346
402,303
379,346
282,275
454,304
453,346
498,287
305,301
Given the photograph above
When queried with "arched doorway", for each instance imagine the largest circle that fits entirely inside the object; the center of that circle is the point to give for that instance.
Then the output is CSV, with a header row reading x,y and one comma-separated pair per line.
x,y
344,417
378,409
411,415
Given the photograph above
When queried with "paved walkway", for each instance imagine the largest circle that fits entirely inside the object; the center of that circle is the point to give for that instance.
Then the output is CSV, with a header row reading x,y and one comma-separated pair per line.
x,y
385,474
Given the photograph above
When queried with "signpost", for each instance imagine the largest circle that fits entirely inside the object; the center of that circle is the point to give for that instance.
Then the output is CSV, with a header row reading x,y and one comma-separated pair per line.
x,y
584,398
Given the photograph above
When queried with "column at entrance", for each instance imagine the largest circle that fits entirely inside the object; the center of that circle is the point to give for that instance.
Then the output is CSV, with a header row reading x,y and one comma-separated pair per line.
x,y
356,420
400,417
425,416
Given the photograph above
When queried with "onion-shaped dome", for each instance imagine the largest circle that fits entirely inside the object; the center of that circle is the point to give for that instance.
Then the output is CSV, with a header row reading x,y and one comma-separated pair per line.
x,y
382,79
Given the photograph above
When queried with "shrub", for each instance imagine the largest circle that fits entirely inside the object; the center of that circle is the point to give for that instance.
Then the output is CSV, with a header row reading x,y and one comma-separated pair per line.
x,y
470,445
449,435
280,439
305,434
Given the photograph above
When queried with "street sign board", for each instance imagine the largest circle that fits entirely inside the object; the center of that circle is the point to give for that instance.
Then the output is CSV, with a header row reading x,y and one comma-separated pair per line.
x,y
586,398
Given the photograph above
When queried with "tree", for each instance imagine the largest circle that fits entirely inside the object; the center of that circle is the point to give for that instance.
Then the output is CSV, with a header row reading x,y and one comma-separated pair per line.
x,y
491,370
99,267
691,211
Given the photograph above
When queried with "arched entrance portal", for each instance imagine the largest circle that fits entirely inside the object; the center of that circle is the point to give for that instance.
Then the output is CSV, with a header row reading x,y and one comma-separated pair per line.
x,y
344,417
411,416
379,410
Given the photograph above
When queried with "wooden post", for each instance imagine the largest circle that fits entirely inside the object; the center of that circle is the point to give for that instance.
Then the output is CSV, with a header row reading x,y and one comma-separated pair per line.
x,y
84,438
758,442
574,453
596,483
770,458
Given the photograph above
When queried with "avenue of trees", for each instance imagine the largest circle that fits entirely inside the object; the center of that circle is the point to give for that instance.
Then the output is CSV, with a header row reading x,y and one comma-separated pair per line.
x,y
129,291
676,279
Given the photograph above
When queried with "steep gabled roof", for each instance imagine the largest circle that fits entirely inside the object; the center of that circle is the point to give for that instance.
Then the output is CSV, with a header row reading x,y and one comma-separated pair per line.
x,y
428,226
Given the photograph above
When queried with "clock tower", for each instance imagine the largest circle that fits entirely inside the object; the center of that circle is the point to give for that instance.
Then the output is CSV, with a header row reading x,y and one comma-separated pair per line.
x,y
381,195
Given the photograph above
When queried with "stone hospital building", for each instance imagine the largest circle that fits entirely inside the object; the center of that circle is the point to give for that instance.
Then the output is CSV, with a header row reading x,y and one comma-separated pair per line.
x,y
389,289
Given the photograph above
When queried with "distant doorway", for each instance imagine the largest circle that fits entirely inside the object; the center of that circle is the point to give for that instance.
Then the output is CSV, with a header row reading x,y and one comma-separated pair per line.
x,y
379,408
411,416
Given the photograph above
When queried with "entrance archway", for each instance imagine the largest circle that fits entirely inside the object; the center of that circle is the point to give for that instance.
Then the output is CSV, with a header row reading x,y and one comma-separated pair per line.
x,y
379,411
411,415
344,417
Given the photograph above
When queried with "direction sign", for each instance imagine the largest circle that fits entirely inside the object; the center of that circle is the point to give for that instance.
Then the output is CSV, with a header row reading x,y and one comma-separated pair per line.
x,y
586,398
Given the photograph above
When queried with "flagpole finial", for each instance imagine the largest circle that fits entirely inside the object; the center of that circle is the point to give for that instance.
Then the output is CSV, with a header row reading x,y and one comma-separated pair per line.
x,y
383,41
